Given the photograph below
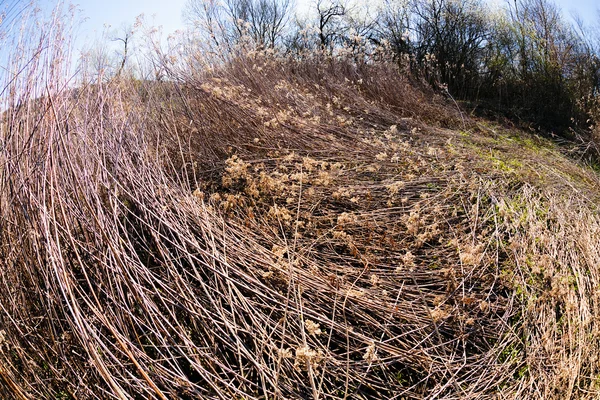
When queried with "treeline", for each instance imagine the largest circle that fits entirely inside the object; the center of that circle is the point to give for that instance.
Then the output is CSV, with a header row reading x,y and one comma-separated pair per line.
x,y
523,60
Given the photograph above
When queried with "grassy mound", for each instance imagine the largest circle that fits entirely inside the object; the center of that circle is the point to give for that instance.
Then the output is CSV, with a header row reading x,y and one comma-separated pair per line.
x,y
278,228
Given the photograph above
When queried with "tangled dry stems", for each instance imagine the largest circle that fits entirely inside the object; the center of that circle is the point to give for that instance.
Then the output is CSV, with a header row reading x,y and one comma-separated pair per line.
x,y
284,228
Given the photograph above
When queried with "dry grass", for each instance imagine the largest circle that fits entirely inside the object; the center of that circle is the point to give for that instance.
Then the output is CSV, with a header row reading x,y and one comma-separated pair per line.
x,y
283,228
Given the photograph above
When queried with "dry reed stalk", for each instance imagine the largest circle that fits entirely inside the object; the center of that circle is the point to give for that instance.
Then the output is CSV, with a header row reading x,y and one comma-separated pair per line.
x,y
176,240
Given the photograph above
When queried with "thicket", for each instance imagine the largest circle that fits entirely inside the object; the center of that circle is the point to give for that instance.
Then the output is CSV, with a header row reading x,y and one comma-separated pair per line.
x,y
522,60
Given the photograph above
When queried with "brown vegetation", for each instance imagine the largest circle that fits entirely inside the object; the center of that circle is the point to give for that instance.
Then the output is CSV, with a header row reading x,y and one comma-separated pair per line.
x,y
284,227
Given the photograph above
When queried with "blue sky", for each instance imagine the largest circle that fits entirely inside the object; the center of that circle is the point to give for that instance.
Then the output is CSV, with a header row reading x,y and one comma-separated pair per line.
x,y
587,9
96,13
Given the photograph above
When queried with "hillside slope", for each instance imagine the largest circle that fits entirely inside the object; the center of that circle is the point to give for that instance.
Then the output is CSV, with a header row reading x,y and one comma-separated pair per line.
x,y
276,228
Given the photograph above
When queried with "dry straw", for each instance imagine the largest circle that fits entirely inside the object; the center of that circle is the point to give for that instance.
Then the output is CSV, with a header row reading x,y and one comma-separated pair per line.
x,y
285,228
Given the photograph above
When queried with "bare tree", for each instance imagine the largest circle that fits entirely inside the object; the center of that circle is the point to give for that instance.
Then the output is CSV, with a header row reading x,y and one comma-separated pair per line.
x,y
208,17
454,33
125,37
393,24
330,25
226,22
541,34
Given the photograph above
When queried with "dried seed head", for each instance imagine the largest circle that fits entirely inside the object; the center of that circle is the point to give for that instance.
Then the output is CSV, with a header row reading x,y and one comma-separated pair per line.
x,y
312,327
305,357
371,353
